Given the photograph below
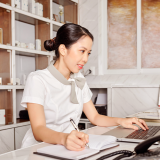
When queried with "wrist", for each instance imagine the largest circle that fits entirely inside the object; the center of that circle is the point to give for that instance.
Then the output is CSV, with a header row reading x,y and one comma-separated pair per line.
x,y
119,121
63,137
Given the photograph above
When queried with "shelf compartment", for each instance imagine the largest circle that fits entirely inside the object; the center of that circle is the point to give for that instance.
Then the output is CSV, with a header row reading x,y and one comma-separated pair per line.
x,y
29,29
69,11
18,11
55,29
5,26
6,101
46,7
19,94
7,2
5,66
27,63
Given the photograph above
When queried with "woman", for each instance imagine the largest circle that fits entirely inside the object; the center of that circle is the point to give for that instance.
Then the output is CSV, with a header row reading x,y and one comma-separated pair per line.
x,y
60,92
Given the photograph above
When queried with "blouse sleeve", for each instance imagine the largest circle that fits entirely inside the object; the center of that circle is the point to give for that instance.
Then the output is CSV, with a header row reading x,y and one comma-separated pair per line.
x,y
34,91
87,94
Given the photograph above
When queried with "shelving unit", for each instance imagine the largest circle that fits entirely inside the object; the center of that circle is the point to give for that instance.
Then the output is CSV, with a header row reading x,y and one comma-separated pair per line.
x,y
23,26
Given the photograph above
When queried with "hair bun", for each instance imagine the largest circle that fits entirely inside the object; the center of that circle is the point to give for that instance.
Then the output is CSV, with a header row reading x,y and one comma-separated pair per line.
x,y
49,45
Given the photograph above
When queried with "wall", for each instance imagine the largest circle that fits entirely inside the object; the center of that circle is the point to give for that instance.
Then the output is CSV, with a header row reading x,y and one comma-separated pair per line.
x,y
88,18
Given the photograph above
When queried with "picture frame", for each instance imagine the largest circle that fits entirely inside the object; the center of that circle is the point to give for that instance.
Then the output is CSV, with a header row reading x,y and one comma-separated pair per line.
x,y
55,17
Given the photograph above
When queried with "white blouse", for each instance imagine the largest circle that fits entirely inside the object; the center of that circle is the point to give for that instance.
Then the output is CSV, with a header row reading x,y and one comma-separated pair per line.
x,y
44,89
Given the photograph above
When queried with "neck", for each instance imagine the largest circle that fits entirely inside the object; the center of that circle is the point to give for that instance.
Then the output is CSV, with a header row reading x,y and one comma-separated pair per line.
x,y
60,66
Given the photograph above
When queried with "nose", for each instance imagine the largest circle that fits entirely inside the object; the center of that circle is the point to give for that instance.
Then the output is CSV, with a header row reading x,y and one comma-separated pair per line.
x,y
85,58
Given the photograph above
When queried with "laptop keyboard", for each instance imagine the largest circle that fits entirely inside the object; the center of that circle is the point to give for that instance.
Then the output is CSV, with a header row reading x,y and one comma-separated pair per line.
x,y
141,134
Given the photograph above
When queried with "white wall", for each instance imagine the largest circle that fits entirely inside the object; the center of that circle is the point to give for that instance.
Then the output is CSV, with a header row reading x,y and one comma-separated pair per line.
x,y
88,12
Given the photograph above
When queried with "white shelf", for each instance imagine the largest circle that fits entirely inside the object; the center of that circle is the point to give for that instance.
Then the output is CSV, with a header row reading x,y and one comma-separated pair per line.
x,y
29,18
33,51
2,127
5,6
25,50
11,87
47,20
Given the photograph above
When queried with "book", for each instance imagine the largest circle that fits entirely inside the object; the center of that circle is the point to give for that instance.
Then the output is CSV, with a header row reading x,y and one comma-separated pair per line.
x,y
96,144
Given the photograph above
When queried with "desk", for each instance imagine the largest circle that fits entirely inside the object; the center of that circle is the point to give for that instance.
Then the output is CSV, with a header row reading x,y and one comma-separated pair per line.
x,y
27,153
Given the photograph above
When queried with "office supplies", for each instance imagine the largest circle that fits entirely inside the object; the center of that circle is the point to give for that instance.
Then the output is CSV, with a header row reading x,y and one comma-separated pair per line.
x,y
141,151
96,142
2,117
76,128
1,36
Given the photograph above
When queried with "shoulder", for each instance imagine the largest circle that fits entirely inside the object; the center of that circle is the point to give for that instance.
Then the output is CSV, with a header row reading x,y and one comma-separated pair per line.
x,y
37,75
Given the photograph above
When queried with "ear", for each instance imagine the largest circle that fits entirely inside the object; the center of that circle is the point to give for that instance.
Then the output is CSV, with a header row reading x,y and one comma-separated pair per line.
x,y
62,50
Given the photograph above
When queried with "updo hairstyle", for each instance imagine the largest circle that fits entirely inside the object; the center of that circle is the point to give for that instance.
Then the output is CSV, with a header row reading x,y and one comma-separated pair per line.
x,y
68,34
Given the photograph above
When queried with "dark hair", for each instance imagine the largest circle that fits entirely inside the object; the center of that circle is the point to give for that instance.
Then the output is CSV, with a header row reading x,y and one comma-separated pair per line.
x,y
67,34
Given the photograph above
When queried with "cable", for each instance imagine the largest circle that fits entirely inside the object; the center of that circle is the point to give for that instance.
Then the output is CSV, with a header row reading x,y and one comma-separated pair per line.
x,y
124,152
122,156
90,71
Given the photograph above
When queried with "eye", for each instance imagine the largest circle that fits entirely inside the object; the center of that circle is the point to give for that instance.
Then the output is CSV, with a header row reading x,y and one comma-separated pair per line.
x,y
89,53
82,51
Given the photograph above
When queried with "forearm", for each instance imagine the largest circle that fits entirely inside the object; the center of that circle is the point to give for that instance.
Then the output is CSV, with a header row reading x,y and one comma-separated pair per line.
x,y
42,133
105,121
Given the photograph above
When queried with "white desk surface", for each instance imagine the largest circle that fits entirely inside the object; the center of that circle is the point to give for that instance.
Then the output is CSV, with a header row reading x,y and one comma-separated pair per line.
x,y
27,153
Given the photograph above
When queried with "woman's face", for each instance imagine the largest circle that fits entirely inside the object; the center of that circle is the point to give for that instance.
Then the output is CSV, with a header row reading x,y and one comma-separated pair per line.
x,y
77,55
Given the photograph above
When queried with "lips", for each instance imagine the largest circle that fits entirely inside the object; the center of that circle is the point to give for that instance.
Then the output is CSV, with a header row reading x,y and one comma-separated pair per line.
x,y
80,66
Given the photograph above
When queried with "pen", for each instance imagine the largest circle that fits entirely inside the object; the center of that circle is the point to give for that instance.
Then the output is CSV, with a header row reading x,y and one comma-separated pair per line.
x,y
76,128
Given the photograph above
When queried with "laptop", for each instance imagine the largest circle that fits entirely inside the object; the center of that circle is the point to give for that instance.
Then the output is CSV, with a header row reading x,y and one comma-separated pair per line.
x,y
131,135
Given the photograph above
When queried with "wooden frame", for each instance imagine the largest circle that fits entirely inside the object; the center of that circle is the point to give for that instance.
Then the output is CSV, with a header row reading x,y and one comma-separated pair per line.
x,y
56,18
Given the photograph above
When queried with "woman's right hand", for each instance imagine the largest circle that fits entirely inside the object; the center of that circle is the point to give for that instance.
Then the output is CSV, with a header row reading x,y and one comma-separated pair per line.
x,y
75,141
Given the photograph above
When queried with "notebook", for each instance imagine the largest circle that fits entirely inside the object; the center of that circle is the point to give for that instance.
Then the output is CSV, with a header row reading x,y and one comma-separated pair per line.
x,y
96,144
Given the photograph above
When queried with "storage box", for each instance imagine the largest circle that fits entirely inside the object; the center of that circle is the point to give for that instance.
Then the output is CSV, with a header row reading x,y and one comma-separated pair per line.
x,y
30,46
17,81
17,44
32,6
38,44
17,4
23,45
24,5
2,117
0,80
41,9
1,36
38,6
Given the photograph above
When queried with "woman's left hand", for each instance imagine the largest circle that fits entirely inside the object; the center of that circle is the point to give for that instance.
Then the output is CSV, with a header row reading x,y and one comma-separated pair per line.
x,y
128,123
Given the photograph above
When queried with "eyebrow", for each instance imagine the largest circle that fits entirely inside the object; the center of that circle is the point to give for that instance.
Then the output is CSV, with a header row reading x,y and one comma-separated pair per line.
x,y
85,48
